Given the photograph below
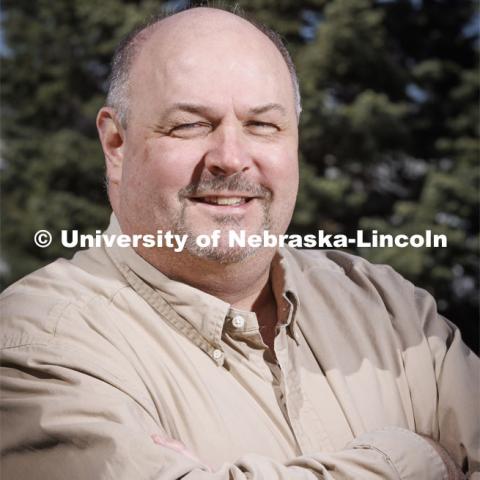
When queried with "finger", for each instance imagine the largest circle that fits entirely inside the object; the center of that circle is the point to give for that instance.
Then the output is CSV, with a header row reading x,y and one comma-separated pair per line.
x,y
175,445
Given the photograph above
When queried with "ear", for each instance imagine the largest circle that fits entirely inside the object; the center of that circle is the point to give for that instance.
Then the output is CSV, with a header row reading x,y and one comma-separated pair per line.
x,y
112,136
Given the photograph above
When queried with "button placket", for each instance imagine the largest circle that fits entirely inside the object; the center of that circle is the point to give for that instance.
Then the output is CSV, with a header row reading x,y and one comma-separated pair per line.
x,y
293,396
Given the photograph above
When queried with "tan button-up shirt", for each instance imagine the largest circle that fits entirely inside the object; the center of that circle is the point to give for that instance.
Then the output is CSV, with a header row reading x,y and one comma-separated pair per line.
x,y
102,353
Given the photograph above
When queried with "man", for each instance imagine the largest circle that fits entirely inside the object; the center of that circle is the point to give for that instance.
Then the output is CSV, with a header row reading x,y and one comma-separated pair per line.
x,y
227,362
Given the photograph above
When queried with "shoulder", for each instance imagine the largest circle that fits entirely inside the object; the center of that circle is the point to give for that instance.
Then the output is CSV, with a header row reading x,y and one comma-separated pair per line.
x,y
63,320
33,306
352,268
359,287
366,290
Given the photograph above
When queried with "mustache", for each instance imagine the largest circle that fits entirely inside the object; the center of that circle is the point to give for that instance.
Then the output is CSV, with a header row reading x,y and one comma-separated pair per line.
x,y
236,183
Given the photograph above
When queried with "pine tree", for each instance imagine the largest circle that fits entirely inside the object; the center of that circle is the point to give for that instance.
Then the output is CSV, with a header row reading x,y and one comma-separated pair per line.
x,y
54,76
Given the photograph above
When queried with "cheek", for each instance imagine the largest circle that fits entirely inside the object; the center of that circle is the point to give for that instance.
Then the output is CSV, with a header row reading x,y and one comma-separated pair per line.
x,y
174,163
288,189
161,169
281,174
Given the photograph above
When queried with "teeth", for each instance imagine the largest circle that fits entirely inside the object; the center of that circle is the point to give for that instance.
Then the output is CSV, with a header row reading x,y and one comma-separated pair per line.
x,y
224,200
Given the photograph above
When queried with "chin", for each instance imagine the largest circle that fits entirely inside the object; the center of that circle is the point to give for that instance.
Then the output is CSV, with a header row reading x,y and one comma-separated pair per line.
x,y
223,255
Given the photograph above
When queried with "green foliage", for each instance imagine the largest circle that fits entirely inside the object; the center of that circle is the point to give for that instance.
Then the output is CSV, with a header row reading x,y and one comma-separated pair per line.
x,y
54,78
388,134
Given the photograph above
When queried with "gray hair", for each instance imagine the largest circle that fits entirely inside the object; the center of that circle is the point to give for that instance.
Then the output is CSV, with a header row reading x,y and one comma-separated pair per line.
x,y
127,50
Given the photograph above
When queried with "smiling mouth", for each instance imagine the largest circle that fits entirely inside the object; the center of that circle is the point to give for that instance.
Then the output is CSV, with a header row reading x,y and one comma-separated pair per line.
x,y
223,201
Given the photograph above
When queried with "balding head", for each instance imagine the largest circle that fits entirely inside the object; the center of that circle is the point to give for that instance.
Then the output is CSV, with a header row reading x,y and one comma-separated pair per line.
x,y
172,30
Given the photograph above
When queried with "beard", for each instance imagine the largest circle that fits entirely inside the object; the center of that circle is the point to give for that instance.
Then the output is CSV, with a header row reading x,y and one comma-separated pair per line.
x,y
223,253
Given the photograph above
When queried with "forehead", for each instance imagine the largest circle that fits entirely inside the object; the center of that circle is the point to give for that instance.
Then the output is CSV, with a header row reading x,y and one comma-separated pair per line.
x,y
217,61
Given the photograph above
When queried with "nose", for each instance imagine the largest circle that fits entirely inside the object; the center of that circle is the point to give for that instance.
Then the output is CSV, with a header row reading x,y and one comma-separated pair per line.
x,y
227,154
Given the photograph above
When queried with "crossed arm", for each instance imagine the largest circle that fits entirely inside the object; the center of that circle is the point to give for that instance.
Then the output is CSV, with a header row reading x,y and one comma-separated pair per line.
x,y
55,426
66,415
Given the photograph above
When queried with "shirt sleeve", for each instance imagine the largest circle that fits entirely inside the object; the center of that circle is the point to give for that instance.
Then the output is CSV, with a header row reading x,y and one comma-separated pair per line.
x,y
457,374
64,416
442,373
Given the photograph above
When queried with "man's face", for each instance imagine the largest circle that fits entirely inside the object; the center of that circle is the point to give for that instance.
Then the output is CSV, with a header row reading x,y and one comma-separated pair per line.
x,y
211,141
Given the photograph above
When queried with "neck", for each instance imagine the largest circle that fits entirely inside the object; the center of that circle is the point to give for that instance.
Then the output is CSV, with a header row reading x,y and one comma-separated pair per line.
x,y
244,285
240,284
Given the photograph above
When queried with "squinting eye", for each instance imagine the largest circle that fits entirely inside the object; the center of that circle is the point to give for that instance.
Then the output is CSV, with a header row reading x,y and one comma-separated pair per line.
x,y
263,127
190,129
187,126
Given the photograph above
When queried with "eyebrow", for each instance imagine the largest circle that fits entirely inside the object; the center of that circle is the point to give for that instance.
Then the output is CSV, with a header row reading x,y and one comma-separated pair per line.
x,y
189,108
207,111
267,108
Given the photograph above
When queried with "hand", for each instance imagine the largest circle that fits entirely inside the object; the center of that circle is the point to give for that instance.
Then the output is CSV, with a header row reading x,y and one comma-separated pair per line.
x,y
454,473
178,447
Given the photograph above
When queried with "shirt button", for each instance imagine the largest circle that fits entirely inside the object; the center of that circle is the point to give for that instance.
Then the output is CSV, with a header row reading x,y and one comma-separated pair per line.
x,y
238,321
217,354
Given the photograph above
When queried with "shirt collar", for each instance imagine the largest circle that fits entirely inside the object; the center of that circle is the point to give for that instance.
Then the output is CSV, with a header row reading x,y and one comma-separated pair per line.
x,y
285,291
205,314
